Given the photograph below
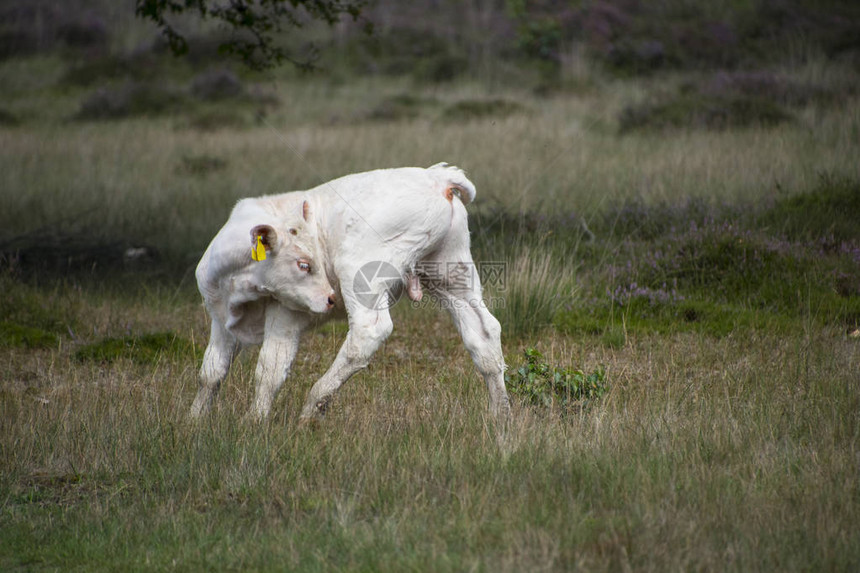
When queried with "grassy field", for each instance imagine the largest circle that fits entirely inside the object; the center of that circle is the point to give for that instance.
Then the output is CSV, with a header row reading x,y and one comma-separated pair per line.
x,y
717,286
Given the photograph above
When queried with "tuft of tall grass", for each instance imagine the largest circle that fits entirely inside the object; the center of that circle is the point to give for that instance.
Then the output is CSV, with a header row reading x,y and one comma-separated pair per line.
x,y
537,285
540,256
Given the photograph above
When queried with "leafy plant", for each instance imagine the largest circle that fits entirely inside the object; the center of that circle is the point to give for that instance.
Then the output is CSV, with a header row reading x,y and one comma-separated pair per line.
x,y
545,385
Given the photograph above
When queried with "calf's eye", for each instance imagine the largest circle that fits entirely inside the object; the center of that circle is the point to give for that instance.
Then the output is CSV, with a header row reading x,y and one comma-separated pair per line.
x,y
303,265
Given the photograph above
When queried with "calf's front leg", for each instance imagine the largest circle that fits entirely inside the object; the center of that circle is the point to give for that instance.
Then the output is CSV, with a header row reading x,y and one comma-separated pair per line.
x,y
281,337
219,355
368,329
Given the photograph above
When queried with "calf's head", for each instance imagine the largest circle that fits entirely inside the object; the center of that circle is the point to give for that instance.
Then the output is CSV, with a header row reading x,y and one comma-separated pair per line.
x,y
292,266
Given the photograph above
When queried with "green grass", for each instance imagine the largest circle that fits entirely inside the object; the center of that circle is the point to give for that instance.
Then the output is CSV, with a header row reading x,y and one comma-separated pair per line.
x,y
147,348
707,453
717,297
12,334
827,211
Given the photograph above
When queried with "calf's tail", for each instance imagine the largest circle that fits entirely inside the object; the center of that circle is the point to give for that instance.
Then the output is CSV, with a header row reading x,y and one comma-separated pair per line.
x,y
455,182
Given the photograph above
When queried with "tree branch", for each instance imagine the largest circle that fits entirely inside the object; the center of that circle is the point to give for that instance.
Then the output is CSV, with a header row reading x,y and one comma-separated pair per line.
x,y
254,24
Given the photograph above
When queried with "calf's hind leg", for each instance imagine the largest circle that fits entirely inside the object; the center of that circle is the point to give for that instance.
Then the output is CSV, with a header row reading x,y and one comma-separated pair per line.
x,y
454,278
481,334
219,355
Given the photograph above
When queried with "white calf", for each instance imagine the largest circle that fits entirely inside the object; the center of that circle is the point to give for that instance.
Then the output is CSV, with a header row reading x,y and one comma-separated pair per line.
x,y
349,244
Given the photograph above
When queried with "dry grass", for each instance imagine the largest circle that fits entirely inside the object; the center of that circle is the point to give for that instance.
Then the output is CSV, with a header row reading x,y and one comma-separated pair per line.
x,y
736,452
127,178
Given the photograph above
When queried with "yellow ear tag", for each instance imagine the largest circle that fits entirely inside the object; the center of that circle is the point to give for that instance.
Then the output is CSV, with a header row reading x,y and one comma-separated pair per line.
x,y
258,251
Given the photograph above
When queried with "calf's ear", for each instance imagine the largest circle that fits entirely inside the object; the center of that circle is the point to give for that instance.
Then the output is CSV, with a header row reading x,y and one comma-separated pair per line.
x,y
267,236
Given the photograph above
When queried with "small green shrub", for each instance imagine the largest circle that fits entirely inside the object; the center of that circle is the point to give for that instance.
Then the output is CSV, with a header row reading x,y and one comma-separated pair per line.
x,y
423,55
614,337
201,165
43,310
831,211
129,100
399,107
17,335
542,384
85,31
540,39
145,349
79,251
90,71
8,119
215,118
443,67
217,84
18,42
779,88
648,220
703,111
